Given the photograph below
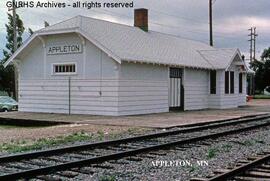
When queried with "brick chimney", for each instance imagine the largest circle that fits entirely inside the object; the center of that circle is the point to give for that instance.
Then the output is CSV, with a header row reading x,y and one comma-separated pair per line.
x,y
141,19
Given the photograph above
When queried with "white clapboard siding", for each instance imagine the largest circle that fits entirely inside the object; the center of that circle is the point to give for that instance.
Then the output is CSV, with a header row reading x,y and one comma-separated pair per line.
x,y
95,112
142,102
73,98
222,100
143,89
63,82
214,102
229,101
65,102
73,88
150,98
196,89
87,97
142,98
45,110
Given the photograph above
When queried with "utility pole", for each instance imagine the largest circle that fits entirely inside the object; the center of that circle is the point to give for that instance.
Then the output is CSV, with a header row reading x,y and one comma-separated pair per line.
x,y
251,44
252,40
211,22
253,35
254,43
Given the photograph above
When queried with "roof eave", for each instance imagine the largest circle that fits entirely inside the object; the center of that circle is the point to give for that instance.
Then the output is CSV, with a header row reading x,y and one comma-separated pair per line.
x,y
167,64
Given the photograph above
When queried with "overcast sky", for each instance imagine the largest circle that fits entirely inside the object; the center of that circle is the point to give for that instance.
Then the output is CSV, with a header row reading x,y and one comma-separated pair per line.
x,y
185,18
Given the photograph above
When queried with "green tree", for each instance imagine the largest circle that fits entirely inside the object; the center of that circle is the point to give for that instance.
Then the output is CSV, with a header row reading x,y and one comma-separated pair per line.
x,y
262,70
7,78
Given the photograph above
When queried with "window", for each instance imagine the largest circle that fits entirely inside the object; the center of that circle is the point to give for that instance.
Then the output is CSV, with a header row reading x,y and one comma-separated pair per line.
x,y
229,82
69,68
213,82
240,83
232,82
226,82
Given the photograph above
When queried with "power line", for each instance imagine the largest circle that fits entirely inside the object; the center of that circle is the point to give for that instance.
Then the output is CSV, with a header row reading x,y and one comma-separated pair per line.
x,y
158,23
222,34
179,17
191,19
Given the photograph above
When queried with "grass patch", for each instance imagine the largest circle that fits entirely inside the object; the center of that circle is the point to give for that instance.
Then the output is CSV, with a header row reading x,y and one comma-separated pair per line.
x,y
212,152
226,147
23,146
253,142
28,127
259,141
192,169
261,97
248,142
100,135
8,127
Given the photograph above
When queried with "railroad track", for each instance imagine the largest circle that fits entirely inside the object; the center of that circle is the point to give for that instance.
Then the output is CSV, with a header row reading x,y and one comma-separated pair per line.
x,y
39,163
256,168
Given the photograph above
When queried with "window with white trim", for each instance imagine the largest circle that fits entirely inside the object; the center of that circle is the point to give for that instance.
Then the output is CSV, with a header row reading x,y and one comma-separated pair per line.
x,y
229,82
240,83
69,68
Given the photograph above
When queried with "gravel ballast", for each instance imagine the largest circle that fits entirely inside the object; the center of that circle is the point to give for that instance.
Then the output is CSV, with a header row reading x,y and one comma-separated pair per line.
x,y
218,154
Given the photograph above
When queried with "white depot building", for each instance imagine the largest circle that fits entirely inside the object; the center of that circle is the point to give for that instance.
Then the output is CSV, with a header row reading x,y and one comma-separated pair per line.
x,y
90,66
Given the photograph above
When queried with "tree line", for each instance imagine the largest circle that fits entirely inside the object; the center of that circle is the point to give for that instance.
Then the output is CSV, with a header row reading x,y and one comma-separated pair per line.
x,y
7,75
262,71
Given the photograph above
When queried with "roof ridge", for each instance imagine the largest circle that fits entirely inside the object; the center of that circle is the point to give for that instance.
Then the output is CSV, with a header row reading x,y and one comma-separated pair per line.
x,y
42,29
128,26
217,49
133,27
120,24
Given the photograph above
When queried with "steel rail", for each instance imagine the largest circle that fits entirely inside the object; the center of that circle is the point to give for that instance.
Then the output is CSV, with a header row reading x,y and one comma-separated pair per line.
x,y
64,166
50,152
241,169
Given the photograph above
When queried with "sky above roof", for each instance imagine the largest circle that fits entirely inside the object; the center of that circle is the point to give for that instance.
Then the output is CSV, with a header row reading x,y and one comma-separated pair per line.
x,y
184,18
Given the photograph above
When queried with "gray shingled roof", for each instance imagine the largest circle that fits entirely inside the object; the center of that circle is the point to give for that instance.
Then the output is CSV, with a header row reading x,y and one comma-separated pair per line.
x,y
219,58
132,44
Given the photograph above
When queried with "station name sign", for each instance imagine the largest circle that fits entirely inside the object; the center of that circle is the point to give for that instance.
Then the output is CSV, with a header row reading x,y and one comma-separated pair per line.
x,y
64,49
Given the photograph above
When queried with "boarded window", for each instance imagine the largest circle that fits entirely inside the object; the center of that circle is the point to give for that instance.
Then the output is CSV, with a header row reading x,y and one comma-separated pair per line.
x,y
232,82
227,82
213,82
240,83
64,68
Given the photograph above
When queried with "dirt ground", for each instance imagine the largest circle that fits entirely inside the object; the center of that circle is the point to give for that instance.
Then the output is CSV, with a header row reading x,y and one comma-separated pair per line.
x,y
13,134
117,125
